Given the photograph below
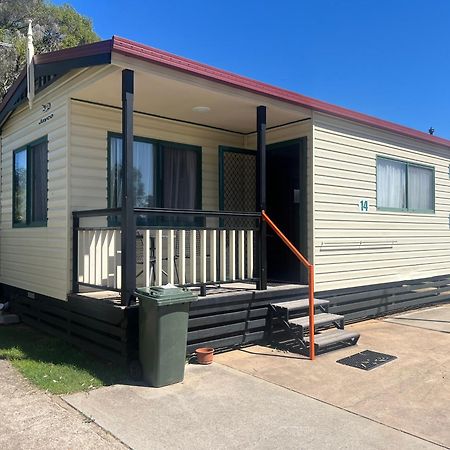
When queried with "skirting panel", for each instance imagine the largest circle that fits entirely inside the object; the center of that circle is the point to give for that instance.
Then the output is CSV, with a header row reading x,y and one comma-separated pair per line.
x,y
364,302
228,322
100,328
111,331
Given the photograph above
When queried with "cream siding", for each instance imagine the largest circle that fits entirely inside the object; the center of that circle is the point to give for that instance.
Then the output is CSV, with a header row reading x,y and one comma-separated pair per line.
x,y
89,129
37,259
31,258
354,248
348,248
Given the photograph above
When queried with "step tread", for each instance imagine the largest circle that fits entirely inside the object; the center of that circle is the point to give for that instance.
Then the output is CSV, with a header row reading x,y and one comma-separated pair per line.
x,y
301,303
333,337
319,319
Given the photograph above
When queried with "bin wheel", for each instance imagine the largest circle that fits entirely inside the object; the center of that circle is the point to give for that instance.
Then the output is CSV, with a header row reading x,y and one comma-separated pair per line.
x,y
135,369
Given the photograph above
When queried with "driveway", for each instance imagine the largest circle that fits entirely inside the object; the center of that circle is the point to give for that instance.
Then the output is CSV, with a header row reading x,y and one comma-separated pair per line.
x,y
263,398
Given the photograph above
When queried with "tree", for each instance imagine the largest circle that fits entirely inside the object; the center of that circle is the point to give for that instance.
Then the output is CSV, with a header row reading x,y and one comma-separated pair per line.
x,y
54,27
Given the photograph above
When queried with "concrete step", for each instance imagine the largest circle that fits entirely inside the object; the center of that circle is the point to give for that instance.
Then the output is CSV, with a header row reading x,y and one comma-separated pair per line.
x,y
333,337
319,319
299,304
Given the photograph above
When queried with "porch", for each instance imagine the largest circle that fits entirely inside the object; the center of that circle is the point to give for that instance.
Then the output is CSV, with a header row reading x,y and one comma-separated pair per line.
x,y
216,254
156,227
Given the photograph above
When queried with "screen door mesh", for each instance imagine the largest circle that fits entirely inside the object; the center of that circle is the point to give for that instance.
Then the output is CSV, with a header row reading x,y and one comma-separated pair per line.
x,y
239,184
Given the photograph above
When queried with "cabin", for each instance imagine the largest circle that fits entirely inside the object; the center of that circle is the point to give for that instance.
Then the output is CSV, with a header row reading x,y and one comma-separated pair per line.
x,y
124,166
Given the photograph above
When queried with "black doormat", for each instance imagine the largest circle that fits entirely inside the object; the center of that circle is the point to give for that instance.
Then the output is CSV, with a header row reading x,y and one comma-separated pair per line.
x,y
366,360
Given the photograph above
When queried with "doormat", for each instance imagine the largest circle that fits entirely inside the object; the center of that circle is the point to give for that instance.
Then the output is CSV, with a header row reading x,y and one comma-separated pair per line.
x,y
366,360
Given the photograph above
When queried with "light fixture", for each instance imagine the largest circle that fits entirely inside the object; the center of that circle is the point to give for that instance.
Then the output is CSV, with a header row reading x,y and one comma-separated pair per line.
x,y
201,109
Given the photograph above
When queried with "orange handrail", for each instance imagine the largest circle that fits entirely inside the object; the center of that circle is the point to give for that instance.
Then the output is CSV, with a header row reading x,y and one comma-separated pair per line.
x,y
310,268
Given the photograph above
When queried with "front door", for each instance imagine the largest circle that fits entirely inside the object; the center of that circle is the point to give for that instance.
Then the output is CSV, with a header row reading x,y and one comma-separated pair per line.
x,y
286,200
286,206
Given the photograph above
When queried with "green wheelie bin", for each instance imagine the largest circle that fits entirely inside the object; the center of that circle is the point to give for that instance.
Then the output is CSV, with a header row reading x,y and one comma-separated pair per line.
x,y
163,323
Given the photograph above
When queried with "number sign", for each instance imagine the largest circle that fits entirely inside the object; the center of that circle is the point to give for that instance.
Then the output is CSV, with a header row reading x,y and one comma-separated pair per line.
x,y
364,205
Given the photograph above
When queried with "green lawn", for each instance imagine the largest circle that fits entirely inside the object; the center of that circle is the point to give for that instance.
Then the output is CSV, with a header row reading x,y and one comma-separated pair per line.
x,y
53,365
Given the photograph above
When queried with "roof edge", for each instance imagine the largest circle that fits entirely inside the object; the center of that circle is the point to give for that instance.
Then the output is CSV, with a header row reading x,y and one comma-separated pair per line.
x,y
134,49
65,54
144,52
65,59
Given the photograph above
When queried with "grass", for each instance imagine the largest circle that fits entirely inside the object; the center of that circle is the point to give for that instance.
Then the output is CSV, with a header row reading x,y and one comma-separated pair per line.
x,y
52,364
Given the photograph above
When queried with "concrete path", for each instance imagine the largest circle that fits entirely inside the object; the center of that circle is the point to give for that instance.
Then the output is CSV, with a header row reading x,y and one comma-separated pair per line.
x,y
31,419
217,407
437,319
411,394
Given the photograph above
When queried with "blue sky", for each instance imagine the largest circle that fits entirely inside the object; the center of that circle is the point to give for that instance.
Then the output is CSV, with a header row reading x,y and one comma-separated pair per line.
x,y
387,58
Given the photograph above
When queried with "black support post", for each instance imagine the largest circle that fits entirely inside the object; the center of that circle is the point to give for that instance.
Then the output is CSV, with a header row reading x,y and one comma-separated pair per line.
x,y
75,226
128,222
261,124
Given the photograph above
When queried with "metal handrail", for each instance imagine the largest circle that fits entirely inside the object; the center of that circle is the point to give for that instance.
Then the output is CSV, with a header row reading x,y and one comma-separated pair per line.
x,y
166,211
196,212
97,212
310,268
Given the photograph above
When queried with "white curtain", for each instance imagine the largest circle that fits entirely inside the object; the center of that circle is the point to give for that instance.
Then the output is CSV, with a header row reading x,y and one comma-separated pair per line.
x,y
420,188
391,184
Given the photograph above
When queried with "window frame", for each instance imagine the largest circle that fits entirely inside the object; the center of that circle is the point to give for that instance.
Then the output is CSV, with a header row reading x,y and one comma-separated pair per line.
x,y
29,178
159,166
407,165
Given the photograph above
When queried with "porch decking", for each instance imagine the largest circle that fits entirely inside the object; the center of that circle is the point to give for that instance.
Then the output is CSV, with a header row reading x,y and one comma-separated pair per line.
x,y
228,290
229,315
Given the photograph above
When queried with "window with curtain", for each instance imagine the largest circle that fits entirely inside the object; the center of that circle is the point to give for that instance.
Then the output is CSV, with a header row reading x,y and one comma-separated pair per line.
x,y
180,177
165,174
30,181
404,186
143,173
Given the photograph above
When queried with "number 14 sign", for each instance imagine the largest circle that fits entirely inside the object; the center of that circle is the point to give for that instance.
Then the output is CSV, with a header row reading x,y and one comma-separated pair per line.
x,y
363,205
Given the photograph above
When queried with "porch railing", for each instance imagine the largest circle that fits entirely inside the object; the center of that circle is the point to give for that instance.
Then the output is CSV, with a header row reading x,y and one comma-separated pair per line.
x,y
182,247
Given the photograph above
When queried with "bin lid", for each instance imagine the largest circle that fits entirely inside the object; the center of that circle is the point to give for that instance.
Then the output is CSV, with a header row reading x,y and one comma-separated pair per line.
x,y
166,295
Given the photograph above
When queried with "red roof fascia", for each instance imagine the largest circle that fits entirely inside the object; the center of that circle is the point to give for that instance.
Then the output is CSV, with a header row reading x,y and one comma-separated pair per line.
x,y
144,52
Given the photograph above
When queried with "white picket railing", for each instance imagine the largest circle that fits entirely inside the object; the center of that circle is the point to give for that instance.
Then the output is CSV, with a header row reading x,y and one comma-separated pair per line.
x,y
99,257
180,257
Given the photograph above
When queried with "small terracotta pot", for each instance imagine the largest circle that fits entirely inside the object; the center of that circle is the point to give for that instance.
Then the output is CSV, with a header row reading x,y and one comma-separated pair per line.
x,y
204,355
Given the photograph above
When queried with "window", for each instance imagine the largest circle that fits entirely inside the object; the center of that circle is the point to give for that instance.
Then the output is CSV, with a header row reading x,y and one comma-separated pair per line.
x,y
143,173
30,179
165,174
404,186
